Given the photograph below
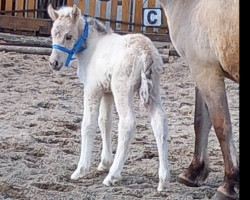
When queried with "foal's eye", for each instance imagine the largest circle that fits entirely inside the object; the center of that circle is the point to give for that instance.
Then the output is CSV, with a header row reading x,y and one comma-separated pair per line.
x,y
68,37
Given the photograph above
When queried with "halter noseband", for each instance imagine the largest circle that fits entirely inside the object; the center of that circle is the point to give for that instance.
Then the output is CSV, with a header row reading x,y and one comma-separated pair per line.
x,y
77,47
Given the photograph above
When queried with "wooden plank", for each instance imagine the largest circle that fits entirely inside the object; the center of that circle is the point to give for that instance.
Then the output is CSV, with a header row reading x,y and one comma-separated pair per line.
x,y
36,7
8,6
71,2
138,15
22,40
164,24
103,10
125,14
27,50
81,5
42,26
92,5
151,4
19,6
114,4
31,5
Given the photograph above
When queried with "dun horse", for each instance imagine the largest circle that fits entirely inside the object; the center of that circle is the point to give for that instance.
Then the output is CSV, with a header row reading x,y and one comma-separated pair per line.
x,y
206,34
112,68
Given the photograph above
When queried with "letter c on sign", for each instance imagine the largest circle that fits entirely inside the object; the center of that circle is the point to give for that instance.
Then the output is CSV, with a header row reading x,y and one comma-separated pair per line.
x,y
152,12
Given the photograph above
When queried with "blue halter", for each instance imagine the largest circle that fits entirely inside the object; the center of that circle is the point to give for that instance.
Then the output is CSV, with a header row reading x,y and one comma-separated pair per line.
x,y
77,47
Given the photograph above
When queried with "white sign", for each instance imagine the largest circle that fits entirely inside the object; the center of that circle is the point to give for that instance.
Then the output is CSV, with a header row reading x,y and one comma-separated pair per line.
x,y
152,17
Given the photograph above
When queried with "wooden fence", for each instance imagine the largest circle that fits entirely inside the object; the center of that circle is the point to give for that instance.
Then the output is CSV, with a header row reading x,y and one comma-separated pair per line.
x,y
30,16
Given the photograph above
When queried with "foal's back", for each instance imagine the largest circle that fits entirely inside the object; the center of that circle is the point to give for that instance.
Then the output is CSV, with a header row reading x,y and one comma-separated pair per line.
x,y
126,56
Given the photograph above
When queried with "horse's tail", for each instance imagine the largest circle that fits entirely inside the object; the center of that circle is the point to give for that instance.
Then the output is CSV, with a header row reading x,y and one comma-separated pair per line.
x,y
150,79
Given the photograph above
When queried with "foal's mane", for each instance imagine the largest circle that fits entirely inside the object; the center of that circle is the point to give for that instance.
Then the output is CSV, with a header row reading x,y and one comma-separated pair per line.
x,y
98,26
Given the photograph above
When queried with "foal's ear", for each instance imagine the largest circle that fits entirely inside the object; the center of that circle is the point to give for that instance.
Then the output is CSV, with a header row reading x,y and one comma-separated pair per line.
x,y
75,13
52,13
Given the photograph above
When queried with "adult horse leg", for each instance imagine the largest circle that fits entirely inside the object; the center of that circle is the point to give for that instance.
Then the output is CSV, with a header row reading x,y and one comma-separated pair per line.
x,y
88,131
210,81
105,125
124,101
198,169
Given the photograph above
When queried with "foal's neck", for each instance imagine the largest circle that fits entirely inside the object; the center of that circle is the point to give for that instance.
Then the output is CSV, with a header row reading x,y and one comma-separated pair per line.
x,y
80,24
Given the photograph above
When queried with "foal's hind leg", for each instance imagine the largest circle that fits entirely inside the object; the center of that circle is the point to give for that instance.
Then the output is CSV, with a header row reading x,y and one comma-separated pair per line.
x,y
212,88
124,100
160,129
198,169
105,124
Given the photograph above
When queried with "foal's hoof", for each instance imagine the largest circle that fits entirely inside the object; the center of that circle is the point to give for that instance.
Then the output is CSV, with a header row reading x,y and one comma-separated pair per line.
x,y
77,174
111,181
103,167
182,178
163,185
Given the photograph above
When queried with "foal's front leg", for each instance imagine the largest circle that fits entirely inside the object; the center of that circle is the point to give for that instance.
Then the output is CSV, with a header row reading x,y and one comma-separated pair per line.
x,y
88,131
105,124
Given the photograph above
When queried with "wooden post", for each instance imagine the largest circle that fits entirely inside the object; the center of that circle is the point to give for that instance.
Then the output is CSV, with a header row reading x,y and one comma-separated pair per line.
x,y
8,7
151,4
164,23
31,5
70,2
92,4
103,9
114,4
19,6
81,5
138,15
27,50
125,14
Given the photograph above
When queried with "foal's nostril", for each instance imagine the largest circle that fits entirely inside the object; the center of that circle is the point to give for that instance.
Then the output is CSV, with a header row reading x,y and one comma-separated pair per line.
x,y
55,63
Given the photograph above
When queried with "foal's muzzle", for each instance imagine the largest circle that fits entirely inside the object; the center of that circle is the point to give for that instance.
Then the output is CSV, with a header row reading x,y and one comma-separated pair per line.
x,y
55,65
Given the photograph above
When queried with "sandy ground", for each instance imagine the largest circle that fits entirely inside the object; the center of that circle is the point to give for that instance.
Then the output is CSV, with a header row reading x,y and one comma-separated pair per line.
x,y
40,117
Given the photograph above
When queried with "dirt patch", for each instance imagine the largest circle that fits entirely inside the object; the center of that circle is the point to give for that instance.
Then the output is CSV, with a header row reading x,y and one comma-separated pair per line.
x,y
40,117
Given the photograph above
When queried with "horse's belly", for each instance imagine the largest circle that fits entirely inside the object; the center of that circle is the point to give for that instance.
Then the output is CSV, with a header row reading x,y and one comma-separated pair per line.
x,y
223,33
229,59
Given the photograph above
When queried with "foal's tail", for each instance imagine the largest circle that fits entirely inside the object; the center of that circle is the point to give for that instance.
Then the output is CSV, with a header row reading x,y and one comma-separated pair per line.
x,y
150,80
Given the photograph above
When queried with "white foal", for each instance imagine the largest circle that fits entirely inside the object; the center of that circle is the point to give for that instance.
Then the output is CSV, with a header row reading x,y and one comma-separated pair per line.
x,y
112,68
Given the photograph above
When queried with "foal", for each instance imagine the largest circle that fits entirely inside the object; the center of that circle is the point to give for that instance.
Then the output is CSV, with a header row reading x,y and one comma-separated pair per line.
x,y
112,68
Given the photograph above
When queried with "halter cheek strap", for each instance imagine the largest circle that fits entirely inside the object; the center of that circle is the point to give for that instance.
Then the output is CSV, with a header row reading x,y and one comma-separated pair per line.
x,y
77,47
